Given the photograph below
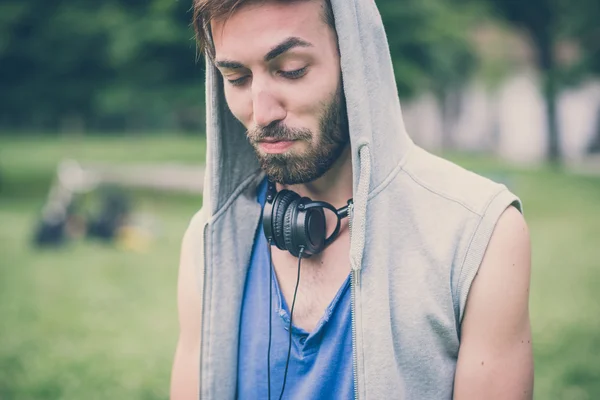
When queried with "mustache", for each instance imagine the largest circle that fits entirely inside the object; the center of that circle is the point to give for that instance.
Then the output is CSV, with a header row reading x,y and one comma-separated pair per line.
x,y
278,132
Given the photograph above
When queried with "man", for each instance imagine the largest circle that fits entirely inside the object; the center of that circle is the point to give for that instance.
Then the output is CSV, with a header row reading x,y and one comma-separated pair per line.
x,y
423,292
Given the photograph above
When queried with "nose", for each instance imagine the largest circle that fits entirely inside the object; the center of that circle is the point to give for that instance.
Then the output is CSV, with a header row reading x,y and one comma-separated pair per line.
x,y
266,108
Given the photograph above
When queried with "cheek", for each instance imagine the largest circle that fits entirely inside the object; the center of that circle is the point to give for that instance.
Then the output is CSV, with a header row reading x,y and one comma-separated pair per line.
x,y
310,100
239,104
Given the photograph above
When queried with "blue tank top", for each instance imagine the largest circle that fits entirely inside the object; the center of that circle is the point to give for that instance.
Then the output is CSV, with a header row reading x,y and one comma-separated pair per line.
x,y
320,364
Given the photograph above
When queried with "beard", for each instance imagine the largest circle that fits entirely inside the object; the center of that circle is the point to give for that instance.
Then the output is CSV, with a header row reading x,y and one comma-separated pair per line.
x,y
323,149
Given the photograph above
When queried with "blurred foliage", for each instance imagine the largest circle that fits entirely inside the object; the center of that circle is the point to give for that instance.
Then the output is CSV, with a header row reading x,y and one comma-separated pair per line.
x,y
550,23
127,64
99,65
586,30
132,65
429,44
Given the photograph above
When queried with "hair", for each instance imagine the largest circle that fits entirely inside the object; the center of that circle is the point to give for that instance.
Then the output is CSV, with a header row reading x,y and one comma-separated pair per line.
x,y
207,10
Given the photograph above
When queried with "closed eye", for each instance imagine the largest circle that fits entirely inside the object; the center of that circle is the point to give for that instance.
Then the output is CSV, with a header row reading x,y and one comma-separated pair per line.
x,y
238,81
299,73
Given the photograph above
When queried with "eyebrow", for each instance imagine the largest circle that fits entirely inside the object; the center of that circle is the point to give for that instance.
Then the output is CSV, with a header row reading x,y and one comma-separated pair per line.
x,y
284,46
229,64
275,52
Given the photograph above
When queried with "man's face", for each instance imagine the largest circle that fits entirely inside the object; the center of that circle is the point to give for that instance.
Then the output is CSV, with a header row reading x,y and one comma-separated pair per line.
x,y
281,70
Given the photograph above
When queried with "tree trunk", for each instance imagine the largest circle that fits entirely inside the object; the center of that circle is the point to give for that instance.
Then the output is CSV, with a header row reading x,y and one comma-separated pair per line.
x,y
449,102
554,151
548,69
495,134
594,147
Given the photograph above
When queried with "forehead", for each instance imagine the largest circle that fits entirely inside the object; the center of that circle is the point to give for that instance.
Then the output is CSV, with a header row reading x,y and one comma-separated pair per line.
x,y
256,28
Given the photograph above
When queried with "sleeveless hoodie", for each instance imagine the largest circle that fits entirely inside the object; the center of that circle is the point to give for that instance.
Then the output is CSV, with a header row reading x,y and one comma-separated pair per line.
x,y
419,229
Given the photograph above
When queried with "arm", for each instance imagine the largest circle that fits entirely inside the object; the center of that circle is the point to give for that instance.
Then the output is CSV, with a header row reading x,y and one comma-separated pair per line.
x,y
185,373
495,359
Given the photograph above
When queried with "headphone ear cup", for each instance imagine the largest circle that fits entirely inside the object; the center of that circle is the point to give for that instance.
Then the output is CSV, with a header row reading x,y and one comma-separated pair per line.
x,y
288,227
281,204
313,230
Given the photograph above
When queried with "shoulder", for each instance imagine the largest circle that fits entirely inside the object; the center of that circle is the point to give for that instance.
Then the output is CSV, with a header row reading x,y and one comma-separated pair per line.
x,y
442,179
506,265
191,259
190,281
468,210
184,376
511,233
500,288
495,357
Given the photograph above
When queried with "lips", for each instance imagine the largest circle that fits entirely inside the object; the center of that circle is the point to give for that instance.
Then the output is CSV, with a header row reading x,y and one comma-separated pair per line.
x,y
275,146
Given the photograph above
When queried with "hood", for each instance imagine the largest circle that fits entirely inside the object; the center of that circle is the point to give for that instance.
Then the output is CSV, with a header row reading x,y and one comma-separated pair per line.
x,y
377,134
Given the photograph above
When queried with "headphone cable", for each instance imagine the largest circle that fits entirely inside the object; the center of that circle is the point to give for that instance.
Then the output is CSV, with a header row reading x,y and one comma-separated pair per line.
x,y
287,362
270,316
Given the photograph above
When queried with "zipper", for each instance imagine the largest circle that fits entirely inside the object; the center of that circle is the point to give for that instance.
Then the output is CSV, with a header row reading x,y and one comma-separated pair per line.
x,y
199,387
353,283
356,259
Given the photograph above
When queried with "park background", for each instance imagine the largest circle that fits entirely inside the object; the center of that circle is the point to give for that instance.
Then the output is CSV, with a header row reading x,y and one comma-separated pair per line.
x,y
105,100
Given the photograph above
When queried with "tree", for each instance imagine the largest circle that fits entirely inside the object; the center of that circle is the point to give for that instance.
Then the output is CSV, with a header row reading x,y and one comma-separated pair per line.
x,y
587,32
431,51
120,64
429,43
547,22
110,65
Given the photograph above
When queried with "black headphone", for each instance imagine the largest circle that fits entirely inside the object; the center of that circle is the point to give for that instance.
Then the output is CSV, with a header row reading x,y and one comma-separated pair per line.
x,y
293,223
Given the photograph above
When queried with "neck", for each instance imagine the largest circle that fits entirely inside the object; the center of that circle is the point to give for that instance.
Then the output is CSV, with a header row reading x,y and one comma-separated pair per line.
x,y
335,187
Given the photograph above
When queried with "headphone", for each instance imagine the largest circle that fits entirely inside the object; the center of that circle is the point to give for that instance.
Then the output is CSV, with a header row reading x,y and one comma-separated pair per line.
x,y
297,224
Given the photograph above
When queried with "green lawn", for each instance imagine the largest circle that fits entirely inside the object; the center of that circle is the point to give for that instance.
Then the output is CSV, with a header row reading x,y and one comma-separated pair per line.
x,y
88,321
91,321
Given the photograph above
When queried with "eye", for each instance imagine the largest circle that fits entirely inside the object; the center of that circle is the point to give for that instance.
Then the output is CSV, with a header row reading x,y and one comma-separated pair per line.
x,y
299,73
238,81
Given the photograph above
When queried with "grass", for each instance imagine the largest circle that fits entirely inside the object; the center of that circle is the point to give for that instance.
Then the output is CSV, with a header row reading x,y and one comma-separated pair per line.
x,y
32,160
95,321
90,320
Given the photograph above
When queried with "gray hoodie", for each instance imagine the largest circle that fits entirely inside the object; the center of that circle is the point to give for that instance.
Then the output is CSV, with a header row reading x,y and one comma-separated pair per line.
x,y
419,229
